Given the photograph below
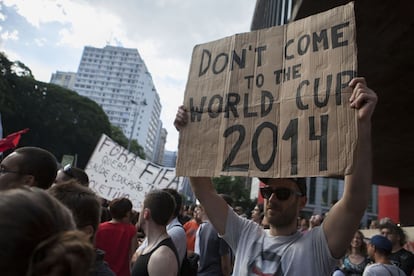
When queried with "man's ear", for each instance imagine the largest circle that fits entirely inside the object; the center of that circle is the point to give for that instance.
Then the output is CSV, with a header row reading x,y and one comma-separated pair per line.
x,y
147,213
29,180
303,201
88,230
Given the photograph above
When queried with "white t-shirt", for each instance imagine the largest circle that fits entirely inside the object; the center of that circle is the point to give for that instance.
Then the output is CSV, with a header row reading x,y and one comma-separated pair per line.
x,y
259,253
383,270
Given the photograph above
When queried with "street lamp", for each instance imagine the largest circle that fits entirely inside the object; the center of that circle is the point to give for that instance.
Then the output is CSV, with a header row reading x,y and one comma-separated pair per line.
x,y
136,113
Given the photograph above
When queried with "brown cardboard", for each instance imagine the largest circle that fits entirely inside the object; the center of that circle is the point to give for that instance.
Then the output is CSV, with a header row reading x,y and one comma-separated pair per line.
x,y
238,90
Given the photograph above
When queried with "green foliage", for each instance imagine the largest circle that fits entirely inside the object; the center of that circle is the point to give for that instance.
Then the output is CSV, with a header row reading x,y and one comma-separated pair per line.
x,y
118,136
59,119
235,187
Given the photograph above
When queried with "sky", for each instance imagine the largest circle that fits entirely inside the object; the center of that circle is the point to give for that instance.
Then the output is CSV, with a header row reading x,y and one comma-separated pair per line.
x,y
49,36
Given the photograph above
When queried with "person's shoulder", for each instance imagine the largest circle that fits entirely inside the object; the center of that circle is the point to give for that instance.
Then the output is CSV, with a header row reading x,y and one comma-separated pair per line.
x,y
403,254
104,225
164,254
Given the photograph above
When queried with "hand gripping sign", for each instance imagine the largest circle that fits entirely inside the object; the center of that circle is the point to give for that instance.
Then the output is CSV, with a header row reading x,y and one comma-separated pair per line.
x,y
273,102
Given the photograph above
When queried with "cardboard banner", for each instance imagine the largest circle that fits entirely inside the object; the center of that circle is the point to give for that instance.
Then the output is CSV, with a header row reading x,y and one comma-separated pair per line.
x,y
273,102
114,172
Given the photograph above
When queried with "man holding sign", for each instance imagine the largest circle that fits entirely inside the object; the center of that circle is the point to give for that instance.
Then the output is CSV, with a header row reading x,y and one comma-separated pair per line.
x,y
283,250
280,104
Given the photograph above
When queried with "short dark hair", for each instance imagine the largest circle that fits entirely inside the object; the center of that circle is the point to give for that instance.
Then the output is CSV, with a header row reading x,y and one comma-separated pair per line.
x,y
76,173
161,204
120,207
28,217
81,200
300,182
395,229
178,200
40,163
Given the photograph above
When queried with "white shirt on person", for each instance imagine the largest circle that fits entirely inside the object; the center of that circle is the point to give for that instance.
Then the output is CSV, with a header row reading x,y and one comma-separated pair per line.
x,y
378,269
259,253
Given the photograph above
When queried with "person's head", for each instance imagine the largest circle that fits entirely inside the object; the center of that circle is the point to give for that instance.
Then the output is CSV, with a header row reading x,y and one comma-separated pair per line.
x,y
68,172
158,207
316,220
37,236
303,224
379,246
358,243
284,198
190,211
83,203
385,220
120,208
196,214
394,233
374,224
178,200
257,213
239,210
28,166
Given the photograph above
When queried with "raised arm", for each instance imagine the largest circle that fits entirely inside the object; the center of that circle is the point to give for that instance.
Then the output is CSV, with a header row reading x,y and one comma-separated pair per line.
x,y
214,205
345,216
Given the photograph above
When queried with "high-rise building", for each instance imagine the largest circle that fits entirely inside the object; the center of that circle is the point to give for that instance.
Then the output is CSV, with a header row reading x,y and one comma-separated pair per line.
x,y
170,157
160,145
118,80
64,79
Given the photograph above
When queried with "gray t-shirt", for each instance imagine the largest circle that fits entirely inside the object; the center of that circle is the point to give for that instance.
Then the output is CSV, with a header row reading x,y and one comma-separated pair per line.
x,y
258,253
210,249
383,270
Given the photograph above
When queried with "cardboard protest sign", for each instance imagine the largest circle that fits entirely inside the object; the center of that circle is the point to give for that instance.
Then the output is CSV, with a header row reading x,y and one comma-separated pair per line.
x,y
114,172
273,102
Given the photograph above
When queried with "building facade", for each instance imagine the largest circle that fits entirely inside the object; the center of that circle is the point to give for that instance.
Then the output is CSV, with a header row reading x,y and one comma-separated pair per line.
x,y
118,80
64,79
170,158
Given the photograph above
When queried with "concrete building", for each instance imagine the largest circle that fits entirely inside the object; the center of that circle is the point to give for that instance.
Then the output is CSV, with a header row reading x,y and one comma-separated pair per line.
x,y
118,80
64,79
170,157
160,145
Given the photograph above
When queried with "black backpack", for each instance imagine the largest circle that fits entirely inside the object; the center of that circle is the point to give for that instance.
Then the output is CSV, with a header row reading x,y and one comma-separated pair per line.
x,y
189,267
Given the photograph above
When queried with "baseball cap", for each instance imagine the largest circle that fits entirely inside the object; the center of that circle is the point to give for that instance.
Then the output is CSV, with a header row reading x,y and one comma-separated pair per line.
x,y
381,242
300,182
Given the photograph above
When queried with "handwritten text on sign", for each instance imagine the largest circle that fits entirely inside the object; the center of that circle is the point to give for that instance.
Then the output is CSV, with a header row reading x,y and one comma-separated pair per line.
x,y
273,102
113,173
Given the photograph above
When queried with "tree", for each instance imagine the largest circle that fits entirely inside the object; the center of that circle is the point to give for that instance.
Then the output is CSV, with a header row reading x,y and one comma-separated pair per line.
x,y
118,136
60,120
236,188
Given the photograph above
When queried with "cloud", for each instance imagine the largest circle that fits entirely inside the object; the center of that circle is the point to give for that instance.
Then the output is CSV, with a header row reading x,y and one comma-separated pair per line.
x,y
13,35
40,42
39,12
163,31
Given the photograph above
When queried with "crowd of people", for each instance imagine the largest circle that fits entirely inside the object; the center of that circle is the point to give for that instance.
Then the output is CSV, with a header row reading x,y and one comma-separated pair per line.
x,y
54,224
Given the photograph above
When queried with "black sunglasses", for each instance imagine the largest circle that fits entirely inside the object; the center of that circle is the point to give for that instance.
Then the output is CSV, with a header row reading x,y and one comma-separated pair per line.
x,y
3,170
281,193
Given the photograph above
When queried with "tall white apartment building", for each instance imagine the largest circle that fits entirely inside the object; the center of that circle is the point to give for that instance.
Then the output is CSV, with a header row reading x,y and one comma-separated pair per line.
x,y
64,79
118,80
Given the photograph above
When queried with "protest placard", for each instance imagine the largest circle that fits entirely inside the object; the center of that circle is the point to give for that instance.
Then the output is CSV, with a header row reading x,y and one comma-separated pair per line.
x,y
273,102
114,172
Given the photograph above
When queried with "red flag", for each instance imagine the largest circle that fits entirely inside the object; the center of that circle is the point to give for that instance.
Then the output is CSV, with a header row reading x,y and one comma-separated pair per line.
x,y
12,140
